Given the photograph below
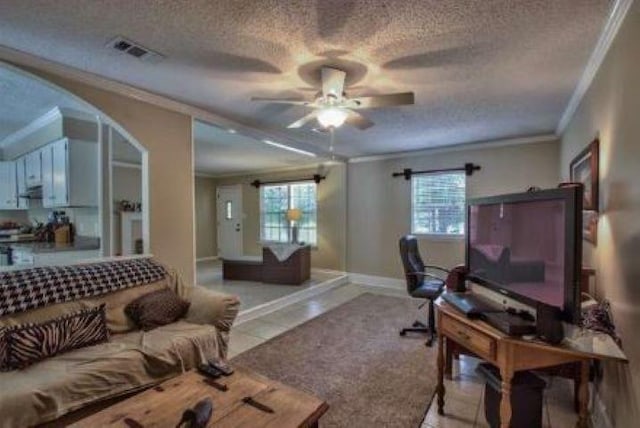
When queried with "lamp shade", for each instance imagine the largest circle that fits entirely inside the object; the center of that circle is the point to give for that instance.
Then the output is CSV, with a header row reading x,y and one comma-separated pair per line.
x,y
294,214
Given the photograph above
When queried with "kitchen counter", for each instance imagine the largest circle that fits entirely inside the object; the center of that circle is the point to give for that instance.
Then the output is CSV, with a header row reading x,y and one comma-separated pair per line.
x,y
80,244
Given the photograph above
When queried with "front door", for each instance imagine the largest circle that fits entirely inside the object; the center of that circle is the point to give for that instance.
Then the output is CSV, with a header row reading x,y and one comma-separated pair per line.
x,y
229,212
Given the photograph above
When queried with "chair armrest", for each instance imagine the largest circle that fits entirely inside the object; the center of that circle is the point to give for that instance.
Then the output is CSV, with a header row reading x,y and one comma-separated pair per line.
x,y
427,274
437,268
210,307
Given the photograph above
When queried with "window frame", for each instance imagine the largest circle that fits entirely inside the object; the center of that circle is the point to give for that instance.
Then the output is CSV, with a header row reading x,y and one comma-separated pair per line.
x,y
261,224
438,236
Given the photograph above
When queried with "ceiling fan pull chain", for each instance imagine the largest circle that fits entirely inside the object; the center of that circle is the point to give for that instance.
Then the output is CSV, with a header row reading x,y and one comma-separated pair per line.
x,y
331,141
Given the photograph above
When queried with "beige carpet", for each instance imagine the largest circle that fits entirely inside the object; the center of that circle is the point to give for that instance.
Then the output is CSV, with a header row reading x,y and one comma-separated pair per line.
x,y
353,357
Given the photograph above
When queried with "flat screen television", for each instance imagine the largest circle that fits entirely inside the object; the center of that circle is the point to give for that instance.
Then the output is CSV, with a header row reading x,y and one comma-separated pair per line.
x,y
528,246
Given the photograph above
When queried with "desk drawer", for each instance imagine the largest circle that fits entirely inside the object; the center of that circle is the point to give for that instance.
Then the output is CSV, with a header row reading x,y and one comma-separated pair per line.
x,y
469,337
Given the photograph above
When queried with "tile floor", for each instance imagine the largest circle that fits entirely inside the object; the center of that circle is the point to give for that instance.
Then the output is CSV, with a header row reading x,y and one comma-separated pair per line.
x,y
252,294
464,393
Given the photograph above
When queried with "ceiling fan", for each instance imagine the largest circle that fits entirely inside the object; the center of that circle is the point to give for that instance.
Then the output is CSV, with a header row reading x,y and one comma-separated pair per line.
x,y
332,107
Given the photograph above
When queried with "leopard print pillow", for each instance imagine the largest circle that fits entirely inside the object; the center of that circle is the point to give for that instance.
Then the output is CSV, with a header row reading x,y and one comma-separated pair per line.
x,y
156,309
3,351
27,344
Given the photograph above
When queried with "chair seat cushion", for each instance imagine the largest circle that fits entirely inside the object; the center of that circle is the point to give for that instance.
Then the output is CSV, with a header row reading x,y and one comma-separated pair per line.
x,y
429,289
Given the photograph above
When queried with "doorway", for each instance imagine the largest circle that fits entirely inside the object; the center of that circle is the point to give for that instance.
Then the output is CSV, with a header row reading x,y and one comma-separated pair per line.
x,y
229,215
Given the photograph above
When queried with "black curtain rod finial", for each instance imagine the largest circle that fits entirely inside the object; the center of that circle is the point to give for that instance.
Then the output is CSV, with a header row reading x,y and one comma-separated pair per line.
x,y
317,178
407,173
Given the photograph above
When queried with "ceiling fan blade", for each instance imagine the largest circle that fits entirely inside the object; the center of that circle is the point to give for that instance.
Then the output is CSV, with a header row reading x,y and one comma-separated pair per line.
x,y
387,100
304,120
292,101
359,121
333,81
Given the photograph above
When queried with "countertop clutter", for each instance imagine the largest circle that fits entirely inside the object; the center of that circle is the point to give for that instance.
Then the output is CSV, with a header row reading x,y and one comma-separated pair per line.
x,y
80,243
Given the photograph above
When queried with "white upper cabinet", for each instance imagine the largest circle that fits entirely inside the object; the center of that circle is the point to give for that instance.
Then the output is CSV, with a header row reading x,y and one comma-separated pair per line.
x,y
21,180
70,174
33,168
8,186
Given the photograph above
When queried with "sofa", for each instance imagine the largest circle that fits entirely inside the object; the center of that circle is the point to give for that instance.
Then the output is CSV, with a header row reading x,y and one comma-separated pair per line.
x,y
131,359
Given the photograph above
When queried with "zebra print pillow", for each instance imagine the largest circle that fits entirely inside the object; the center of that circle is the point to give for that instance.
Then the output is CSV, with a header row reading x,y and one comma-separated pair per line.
x,y
29,343
3,351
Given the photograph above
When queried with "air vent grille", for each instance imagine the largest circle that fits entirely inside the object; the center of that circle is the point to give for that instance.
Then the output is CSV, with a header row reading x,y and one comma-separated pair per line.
x,y
124,45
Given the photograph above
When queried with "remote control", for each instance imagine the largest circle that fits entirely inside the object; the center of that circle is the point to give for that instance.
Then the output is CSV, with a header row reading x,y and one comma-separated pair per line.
x,y
221,366
209,370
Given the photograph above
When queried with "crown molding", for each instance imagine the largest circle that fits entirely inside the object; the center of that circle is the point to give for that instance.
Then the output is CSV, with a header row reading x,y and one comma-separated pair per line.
x,y
478,145
22,133
611,28
23,59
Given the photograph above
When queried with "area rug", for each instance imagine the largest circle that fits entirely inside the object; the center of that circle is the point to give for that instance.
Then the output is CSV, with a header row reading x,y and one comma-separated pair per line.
x,y
353,357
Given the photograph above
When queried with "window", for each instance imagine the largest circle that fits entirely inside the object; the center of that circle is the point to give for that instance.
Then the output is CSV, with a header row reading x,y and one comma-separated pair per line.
x,y
438,204
275,200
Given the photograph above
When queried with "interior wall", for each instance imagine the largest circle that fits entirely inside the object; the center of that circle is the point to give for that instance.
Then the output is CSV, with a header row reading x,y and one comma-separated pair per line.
x,y
332,212
610,110
380,206
206,217
167,137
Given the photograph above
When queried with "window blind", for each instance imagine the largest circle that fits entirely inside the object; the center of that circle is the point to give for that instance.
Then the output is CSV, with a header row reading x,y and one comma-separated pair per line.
x,y
438,203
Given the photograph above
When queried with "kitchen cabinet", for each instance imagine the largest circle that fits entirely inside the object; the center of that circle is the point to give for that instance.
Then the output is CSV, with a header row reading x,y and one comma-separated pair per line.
x,y
33,168
21,180
70,174
8,186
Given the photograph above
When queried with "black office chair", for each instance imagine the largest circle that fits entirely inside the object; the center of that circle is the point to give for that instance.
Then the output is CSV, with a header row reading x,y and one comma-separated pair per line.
x,y
420,284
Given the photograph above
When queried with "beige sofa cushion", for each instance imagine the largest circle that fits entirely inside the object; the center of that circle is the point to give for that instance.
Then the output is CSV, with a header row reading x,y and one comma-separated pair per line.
x,y
128,362
117,320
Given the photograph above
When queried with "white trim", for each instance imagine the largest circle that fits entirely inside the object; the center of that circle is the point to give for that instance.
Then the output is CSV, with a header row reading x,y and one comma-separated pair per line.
x,y
599,415
258,172
22,133
477,145
207,259
614,22
22,59
377,281
267,308
121,164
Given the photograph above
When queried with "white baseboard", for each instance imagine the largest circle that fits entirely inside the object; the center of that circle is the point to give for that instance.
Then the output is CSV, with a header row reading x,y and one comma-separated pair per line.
x,y
599,415
207,259
378,281
290,299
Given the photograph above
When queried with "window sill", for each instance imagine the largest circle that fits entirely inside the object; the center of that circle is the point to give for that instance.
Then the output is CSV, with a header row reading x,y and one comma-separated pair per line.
x,y
437,237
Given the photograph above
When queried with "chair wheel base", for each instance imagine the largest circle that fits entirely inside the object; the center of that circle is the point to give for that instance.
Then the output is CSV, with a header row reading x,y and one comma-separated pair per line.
x,y
403,333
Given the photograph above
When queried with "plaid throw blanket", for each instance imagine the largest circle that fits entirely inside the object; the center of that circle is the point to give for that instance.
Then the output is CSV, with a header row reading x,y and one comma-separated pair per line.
x,y
27,289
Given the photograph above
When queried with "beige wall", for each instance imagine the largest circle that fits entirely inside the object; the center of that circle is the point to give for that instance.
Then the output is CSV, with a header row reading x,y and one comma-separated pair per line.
x,y
611,110
332,206
167,137
380,206
205,202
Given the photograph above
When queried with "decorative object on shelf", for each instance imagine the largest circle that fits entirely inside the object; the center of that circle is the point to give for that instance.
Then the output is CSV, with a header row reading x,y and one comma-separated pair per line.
x,y
294,215
584,169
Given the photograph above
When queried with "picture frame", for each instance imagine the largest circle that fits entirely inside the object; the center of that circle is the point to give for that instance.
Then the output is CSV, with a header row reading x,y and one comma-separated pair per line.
x,y
585,169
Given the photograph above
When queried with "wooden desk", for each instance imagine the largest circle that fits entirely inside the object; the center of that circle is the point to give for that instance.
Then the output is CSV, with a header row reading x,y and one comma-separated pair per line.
x,y
511,354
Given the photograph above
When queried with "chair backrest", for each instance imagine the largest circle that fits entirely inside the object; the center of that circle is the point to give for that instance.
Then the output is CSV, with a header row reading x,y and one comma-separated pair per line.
x,y
411,261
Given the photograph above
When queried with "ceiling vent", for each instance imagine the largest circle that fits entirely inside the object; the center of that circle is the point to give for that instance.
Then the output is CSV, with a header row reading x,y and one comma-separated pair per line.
x,y
124,45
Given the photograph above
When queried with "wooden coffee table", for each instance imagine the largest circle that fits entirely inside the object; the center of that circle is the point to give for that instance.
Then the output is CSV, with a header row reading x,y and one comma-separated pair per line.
x,y
163,405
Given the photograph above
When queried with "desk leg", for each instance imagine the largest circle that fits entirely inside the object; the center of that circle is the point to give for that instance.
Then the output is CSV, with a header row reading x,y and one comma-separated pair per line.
x,y
440,362
505,403
448,366
583,395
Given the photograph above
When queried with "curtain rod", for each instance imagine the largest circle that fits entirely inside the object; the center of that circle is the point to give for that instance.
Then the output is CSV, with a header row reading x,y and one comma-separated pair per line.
x,y
317,178
468,169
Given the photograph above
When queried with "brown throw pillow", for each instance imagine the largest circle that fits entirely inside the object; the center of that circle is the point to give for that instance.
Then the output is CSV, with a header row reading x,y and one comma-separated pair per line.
x,y
29,343
156,309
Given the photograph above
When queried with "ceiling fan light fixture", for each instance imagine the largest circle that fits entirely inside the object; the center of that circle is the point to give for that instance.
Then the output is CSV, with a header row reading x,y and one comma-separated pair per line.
x,y
332,117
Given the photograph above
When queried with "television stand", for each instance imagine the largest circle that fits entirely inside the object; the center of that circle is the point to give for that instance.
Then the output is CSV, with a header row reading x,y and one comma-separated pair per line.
x,y
511,354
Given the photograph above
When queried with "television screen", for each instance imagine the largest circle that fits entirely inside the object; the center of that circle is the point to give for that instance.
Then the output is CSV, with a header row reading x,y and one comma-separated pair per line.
x,y
525,246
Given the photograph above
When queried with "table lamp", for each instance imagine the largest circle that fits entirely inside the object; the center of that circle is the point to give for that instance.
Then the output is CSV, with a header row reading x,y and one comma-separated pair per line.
x,y
294,215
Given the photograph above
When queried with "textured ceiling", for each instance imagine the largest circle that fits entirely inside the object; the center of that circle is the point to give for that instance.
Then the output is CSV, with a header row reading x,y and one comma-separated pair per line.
x,y
481,70
219,152
23,99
